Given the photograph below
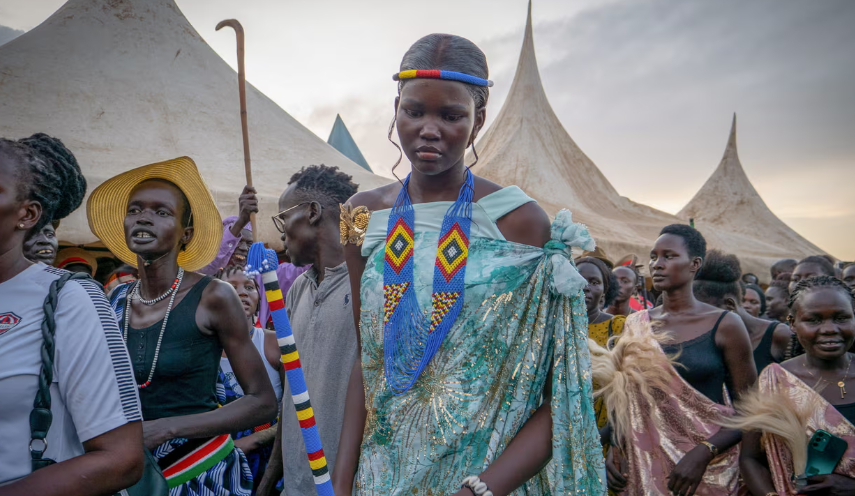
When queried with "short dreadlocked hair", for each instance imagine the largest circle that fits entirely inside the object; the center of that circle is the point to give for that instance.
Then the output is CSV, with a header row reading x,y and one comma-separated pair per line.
x,y
806,285
47,173
326,185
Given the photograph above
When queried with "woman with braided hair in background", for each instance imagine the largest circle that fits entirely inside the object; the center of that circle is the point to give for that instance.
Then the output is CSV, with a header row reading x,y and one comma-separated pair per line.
x,y
798,397
96,433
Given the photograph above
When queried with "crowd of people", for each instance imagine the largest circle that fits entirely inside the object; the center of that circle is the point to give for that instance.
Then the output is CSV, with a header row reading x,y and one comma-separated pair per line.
x,y
451,342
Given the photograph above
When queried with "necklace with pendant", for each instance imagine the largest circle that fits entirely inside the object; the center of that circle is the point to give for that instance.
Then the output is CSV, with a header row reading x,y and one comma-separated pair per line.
x,y
411,336
842,383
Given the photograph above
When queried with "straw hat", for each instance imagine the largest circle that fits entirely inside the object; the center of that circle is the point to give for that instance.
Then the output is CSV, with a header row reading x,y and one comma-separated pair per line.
x,y
74,255
108,203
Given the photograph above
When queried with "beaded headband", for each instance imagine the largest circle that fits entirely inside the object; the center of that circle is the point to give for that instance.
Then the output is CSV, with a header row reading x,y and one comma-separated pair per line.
x,y
449,75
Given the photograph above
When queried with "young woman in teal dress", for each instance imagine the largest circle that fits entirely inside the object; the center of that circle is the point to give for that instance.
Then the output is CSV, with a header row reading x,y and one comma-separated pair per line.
x,y
474,375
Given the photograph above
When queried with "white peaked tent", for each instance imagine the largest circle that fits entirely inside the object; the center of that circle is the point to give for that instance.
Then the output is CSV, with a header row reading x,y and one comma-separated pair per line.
x,y
729,203
129,82
527,146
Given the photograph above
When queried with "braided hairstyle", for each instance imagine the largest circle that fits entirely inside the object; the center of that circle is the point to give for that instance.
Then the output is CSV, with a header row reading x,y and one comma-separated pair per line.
x,y
718,278
47,173
795,349
610,283
326,185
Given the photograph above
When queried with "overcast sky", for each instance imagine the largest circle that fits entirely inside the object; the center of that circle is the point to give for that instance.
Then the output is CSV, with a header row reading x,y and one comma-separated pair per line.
x,y
646,88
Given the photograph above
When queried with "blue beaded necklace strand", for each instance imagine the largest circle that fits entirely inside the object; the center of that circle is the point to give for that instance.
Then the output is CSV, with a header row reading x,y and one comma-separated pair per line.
x,y
411,338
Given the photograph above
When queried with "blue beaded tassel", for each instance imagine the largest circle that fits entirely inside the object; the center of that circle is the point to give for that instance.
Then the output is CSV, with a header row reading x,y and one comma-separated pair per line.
x,y
411,339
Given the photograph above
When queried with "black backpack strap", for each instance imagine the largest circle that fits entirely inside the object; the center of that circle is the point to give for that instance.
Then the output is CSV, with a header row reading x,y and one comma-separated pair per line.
x,y
41,416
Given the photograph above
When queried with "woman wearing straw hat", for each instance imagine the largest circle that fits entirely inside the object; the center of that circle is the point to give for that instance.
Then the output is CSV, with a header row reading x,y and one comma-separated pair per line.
x,y
176,324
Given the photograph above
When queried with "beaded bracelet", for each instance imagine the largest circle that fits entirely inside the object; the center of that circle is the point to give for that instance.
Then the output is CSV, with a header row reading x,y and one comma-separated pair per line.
x,y
474,484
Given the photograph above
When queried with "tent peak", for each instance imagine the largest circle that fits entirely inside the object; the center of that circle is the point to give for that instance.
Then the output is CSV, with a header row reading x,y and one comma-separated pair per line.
x,y
341,139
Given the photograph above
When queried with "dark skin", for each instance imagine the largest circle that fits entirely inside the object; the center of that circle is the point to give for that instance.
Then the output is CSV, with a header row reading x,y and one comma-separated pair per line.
x,y
248,205
593,292
42,246
311,237
154,231
436,121
686,318
757,327
849,276
627,281
824,322
111,461
776,303
804,271
751,302
247,291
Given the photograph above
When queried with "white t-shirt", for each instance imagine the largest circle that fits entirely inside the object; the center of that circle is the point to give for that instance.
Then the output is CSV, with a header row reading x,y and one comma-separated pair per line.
x,y
93,389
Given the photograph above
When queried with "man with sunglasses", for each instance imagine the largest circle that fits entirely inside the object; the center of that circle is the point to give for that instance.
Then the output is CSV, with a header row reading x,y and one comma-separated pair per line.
x,y
319,306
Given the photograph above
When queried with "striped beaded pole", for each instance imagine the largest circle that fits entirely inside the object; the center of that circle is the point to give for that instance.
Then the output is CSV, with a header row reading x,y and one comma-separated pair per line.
x,y
264,261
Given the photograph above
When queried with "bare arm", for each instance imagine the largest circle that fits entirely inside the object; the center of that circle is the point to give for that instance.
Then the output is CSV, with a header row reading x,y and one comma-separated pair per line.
x,y
353,425
527,453
754,466
781,341
275,467
531,448
111,462
224,315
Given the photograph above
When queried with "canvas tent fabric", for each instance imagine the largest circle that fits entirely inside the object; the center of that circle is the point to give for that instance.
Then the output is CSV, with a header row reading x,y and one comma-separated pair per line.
x,y
130,82
527,146
729,202
341,140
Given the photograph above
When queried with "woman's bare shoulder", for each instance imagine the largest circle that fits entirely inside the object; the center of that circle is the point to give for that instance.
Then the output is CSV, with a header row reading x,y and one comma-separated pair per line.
x,y
378,198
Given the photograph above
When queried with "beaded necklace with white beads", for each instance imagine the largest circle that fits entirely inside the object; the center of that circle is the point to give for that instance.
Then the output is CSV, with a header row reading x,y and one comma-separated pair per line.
x,y
135,292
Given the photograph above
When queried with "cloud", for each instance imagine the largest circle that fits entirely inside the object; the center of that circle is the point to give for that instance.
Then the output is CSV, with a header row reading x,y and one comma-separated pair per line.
x,y
7,34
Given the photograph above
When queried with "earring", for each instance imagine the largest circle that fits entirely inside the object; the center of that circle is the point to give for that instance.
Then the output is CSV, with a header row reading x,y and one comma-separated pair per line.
x,y
21,225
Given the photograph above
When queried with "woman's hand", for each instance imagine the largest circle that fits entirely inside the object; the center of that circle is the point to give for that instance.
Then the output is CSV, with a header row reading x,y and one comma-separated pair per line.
x,y
155,433
831,485
689,473
615,464
246,444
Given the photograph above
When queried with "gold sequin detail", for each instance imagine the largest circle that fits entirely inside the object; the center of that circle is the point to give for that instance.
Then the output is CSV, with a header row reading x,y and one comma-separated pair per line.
x,y
353,223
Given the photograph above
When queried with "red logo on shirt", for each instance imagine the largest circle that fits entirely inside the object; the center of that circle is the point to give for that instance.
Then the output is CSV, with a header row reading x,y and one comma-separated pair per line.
x,y
8,321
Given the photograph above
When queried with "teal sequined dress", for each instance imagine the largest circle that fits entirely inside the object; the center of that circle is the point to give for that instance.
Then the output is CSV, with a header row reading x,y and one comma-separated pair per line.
x,y
523,312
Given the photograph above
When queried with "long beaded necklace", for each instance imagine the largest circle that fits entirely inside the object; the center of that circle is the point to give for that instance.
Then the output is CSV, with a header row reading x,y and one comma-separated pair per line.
x,y
841,384
135,292
411,338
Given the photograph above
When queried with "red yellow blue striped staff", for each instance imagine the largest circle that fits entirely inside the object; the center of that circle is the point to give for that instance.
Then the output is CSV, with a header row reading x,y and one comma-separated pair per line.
x,y
264,261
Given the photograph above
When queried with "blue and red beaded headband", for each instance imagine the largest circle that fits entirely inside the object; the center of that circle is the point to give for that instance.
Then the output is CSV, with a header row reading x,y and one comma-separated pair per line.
x,y
449,75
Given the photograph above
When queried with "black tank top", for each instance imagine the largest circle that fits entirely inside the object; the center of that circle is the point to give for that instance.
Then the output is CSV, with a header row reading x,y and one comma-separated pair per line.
x,y
702,363
185,377
848,411
763,352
